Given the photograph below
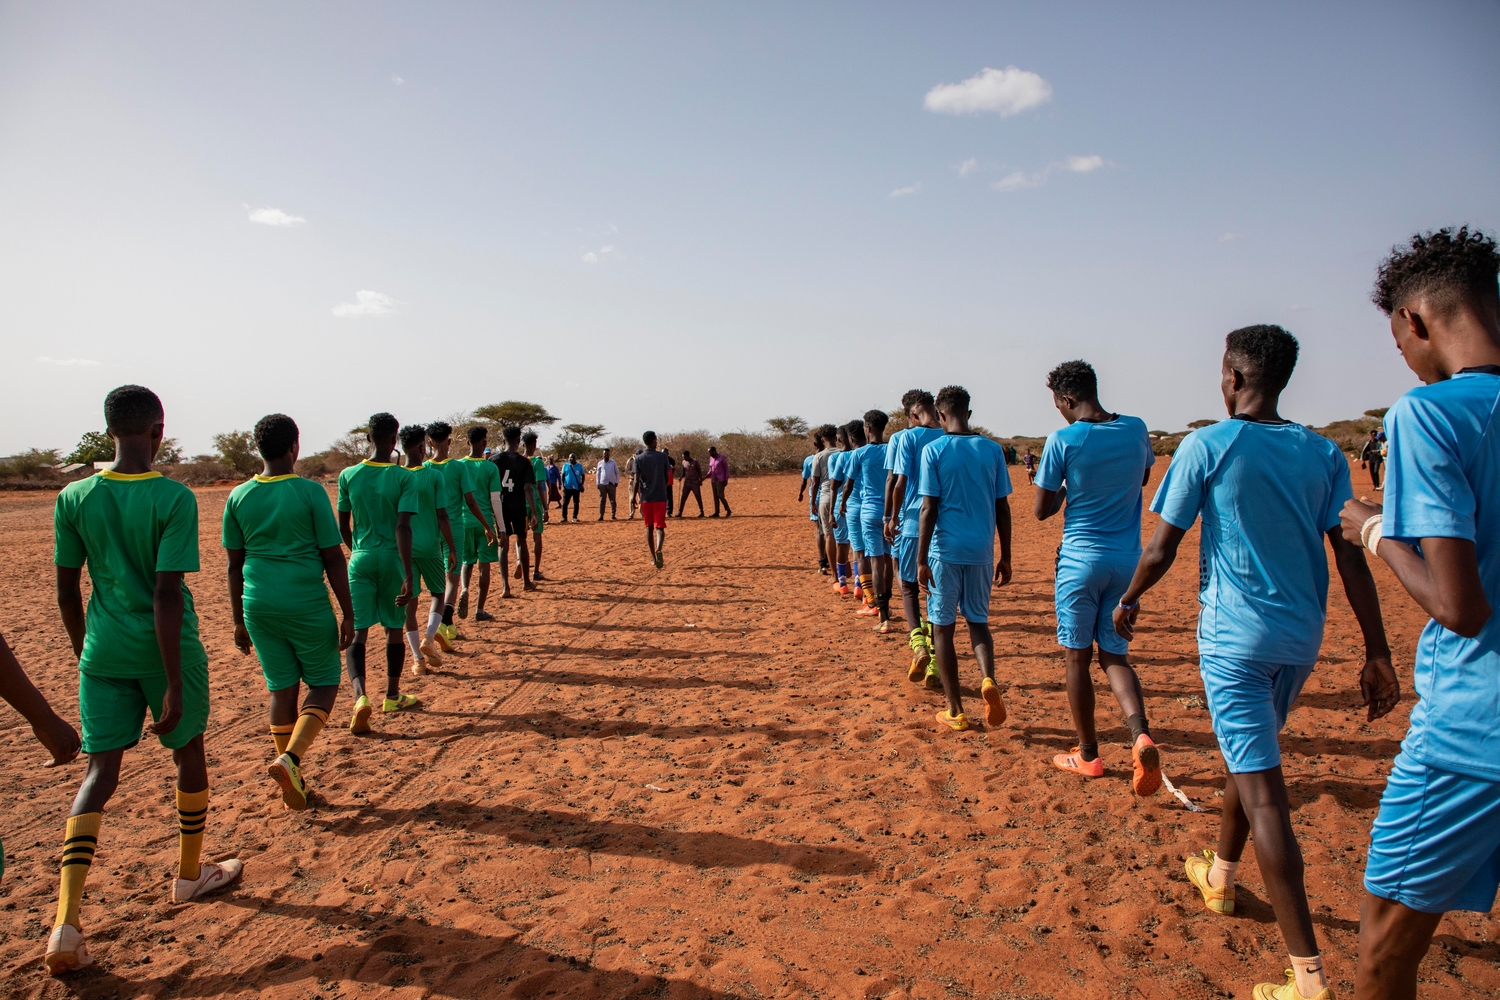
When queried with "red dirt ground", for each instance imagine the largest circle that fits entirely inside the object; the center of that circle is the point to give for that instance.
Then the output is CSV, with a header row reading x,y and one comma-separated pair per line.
x,y
810,832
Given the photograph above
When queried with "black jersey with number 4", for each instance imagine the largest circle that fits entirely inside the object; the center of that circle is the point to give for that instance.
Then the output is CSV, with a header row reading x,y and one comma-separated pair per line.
x,y
516,474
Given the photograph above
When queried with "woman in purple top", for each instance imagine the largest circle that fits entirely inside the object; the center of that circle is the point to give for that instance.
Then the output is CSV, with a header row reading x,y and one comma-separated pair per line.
x,y
718,477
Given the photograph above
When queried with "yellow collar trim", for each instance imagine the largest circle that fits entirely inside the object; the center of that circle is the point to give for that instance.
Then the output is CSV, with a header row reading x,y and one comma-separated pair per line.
x,y
276,479
377,465
127,477
440,461
471,458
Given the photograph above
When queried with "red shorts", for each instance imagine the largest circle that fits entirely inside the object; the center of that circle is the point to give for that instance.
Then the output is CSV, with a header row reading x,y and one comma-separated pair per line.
x,y
654,512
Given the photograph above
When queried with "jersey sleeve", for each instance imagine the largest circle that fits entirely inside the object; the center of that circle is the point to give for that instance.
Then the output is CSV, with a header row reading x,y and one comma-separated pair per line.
x,y
931,482
1341,493
232,536
325,525
1181,495
1427,494
1002,475
67,544
343,494
439,492
177,552
1053,468
408,502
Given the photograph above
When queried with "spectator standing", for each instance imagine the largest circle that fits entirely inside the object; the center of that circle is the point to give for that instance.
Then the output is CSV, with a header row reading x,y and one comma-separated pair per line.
x,y
607,478
1372,458
692,483
572,484
554,481
671,478
630,471
718,475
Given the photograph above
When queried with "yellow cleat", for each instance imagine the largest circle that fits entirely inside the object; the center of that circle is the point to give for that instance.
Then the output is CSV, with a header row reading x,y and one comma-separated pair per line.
x,y
1218,900
958,723
285,772
360,721
400,702
1288,990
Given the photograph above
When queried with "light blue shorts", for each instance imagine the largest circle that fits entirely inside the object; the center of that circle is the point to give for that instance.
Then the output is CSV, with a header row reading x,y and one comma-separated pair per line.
x,y
856,533
905,550
872,534
1089,585
1435,846
958,588
841,529
1248,701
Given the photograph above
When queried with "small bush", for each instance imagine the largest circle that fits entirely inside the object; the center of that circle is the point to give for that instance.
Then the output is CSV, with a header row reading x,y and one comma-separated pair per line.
x,y
31,463
236,450
94,446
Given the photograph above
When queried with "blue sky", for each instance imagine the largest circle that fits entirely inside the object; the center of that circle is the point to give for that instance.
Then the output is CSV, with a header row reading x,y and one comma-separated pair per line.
x,y
703,215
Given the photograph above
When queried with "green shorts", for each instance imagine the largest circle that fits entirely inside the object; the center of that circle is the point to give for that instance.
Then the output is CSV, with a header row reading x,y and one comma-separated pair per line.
x,y
430,573
475,548
375,580
113,709
295,649
538,511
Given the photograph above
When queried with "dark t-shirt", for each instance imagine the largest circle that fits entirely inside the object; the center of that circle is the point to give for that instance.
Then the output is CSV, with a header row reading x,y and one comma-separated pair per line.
x,y
651,472
516,474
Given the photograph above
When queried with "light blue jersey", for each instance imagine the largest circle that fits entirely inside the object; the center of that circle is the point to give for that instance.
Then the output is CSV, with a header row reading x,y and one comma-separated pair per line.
x,y
1103,466
904,458
1443,481
1267,493
851,472
966,473
869,478
812,498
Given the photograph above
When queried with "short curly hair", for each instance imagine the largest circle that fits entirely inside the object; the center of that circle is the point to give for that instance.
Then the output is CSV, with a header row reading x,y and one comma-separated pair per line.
x,y
439,430
1450,266
1074,379
1265,353
275,433
383,425
413,435
914,397
132,409
953,400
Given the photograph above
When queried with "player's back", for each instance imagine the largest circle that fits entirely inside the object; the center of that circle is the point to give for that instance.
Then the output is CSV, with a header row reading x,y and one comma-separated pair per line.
x,y
966,473
1103,466
432,494
371,492
455,485
282,523
872,479
651,474
904,458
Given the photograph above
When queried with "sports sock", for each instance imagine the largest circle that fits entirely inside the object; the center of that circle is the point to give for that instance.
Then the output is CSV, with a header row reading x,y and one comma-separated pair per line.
x,y
1309,973
434,619
447,614
354,662
909,605
864,580
309,724
1221,875
394,654
883,601
282,735
414,641
80,837
1088,751
1138,727
192,816
843,571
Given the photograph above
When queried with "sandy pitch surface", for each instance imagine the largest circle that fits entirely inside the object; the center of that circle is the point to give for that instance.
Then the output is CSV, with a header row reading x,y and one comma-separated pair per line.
x,y
708,781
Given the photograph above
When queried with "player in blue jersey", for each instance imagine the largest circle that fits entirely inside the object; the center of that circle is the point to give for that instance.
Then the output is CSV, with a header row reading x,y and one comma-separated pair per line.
x,y
838,464
851,508
903,509
1096,466
1269,491
869,477
809,489
1436,842
965,489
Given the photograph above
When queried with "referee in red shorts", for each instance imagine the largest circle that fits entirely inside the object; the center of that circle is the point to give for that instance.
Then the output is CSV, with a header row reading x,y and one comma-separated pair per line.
x,y
654,492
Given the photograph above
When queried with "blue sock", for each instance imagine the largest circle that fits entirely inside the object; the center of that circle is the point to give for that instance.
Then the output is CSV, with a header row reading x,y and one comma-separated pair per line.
x,y
843,573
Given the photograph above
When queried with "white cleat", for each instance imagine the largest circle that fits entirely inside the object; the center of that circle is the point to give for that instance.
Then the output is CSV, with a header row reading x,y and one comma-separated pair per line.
x,y
215,877
66,951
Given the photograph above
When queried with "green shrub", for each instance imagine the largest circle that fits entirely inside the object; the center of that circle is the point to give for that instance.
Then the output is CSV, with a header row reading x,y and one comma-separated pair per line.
x,y
94,446
236,451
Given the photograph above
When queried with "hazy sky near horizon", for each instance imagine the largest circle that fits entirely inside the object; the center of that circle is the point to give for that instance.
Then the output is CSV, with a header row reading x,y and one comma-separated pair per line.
x,y
702,215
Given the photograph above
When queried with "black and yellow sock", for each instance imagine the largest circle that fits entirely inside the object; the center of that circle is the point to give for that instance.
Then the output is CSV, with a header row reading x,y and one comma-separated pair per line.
x,y
282,735
309,724
192,815
80,837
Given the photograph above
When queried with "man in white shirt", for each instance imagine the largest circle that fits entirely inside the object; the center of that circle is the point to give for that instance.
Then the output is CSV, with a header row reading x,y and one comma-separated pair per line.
x,y
607,478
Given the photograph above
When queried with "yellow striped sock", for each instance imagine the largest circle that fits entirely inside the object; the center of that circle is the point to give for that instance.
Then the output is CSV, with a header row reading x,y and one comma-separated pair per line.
x,y
309,724
192,815
282,735
80,837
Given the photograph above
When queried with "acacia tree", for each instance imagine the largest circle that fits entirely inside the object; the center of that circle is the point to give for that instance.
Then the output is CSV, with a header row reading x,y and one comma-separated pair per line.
x,y
585,432
514,413
792,426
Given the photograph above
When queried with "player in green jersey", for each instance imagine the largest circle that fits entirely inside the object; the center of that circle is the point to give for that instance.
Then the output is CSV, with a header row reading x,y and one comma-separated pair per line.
x,y
431,541
137,650
377,501
538,506
463,508
282,540
481,537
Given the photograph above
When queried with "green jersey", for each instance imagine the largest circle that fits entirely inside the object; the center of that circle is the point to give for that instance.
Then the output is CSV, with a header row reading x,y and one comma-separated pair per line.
x,y
456,482
539,480
432,496
282,523
484,479
128,528
376,492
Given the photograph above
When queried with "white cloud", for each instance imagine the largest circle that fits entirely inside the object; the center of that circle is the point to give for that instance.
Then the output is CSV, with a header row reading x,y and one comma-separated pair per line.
x,y
1005,91
1231,237
1018,179
68,362
273,217
1083,164
366,303
910,189
595,256
591,258
398,81
968,167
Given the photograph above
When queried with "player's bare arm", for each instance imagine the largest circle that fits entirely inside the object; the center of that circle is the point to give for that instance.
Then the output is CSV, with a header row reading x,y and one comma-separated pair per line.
x,y
1002,528
52,731
1378,685
1156,559
336,569
237,599
167,609
403,547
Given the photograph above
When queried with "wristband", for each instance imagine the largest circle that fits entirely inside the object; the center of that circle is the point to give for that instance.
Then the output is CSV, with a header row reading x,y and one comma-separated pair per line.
x,y
1369,533
1129,607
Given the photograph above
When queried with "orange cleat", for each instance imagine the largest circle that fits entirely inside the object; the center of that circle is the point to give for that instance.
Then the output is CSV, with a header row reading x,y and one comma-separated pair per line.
x,y
994,708
1075,763
1147,777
